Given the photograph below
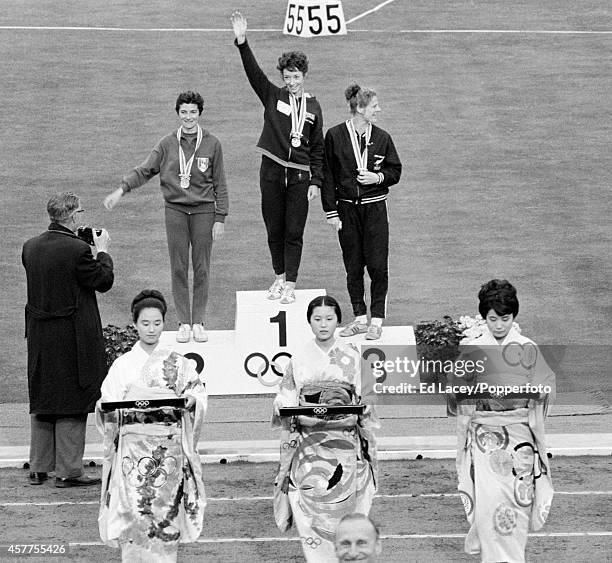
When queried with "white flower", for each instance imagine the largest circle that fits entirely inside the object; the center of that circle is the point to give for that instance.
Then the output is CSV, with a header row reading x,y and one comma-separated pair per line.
x,y
473,327
466,322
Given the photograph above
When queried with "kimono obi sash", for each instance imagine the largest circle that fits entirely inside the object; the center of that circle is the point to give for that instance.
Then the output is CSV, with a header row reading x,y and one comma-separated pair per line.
x,y
501,405
166,416
504,418
332,422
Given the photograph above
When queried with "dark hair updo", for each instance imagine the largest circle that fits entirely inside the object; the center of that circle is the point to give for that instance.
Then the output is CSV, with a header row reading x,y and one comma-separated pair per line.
x,y
324,301
356,96
148,298
499,295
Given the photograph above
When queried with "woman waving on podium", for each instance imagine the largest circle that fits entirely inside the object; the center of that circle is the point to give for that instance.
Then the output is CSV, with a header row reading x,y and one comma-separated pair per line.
x,y
328,463
152,490
291,144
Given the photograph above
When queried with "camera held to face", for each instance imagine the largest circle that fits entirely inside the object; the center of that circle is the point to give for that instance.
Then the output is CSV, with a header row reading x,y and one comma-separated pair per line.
x,y
86,234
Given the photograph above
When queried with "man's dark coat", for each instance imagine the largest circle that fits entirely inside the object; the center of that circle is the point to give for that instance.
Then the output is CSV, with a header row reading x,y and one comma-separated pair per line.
x,y
66,363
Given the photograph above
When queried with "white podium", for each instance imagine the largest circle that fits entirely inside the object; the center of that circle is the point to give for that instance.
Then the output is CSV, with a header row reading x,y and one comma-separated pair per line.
x,y
268,333
251,359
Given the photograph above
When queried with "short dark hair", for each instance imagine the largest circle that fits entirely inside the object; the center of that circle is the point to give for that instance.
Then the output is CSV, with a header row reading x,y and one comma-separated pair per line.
x,y
499,295
61,206
190,97
293,60
360,516
148,298
356,96
324,301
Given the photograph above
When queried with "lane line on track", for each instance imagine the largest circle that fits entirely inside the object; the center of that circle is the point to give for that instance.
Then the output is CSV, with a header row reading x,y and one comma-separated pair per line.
x,y
368,12
253,499
492,31
383,536
96,28
388,31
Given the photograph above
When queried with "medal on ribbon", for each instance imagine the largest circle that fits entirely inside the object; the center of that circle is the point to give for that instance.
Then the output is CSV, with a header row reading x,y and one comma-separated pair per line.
x,y
298,118
184,164
361,158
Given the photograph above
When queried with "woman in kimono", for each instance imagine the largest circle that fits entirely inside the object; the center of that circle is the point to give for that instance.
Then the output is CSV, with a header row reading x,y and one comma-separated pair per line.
x,y
328,465
152,489
502,464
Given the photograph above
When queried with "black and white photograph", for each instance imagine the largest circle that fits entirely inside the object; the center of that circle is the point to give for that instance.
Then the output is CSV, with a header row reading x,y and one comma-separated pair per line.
x,y
306,281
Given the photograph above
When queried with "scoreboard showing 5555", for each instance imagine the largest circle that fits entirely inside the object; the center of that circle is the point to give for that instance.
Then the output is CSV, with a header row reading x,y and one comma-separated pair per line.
x,y
314,18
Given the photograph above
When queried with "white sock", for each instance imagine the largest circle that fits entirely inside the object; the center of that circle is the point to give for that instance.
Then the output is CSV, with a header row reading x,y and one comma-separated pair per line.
x,y
376,321
362,319
290,285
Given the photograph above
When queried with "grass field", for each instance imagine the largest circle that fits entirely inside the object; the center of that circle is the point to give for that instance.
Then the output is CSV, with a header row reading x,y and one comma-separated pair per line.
x,y
505,140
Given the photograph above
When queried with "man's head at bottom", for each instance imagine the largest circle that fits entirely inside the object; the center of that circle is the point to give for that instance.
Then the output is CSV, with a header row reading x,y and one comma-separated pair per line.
x,y
357,539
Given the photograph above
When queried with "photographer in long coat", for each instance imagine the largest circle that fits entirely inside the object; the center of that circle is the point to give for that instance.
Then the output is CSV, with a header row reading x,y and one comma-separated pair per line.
x,y
66,363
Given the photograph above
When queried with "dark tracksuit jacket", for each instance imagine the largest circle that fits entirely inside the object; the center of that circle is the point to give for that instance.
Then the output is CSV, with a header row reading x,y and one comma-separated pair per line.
x,y
274,141
340,170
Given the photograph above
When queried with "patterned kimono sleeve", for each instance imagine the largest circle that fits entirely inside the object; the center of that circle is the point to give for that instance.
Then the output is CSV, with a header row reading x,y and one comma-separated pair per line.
x,y
545,376
113,389
369,419
287,395
114,386
355,366
193,384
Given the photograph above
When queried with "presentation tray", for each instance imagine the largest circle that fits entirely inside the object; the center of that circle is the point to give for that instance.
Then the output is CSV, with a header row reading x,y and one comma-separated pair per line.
x,y
322,410
178,402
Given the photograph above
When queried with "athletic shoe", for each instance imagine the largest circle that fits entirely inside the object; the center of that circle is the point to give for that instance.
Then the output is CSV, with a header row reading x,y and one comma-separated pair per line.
x,y
354,328
182,334
374,332
199,334
276,289
288,295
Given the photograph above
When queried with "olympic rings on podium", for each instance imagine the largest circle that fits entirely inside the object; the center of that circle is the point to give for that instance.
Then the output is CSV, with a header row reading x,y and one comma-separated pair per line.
x,y
265,365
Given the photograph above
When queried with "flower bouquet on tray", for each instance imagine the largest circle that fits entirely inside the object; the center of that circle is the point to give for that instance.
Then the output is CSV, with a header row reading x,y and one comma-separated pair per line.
x,y
473,327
